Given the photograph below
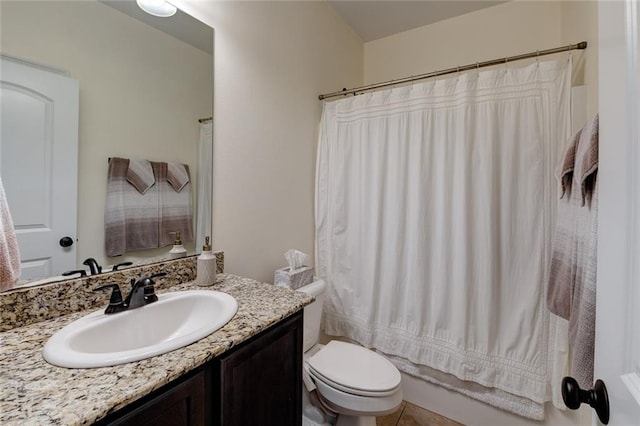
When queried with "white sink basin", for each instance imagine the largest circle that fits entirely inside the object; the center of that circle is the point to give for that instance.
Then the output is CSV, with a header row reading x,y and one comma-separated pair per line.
x,y
175,320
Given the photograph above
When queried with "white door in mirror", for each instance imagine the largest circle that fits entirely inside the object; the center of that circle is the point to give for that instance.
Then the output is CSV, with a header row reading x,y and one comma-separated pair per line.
x,y
38,163
174,321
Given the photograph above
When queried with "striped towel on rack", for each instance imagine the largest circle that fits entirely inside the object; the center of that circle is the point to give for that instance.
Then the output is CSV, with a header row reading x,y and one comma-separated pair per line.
x,y
572,279
131,218
136,220
176,212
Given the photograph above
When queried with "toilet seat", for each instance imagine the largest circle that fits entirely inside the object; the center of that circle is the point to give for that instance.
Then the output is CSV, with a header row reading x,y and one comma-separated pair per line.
x,y
359,392
356,405
353,369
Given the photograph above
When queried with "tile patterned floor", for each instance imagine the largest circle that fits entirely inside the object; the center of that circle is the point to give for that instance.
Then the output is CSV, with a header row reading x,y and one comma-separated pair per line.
x,y
412,415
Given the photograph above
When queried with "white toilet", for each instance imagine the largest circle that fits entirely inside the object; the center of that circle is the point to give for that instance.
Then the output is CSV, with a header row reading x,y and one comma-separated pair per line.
x,y
353,382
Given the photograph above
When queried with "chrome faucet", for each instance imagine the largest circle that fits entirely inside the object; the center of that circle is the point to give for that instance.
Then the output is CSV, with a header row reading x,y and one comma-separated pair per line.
x,y
93,266
142,293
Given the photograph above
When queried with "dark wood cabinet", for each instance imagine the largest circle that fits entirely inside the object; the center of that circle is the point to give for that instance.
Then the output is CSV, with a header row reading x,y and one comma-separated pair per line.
x,y
258,383
180,404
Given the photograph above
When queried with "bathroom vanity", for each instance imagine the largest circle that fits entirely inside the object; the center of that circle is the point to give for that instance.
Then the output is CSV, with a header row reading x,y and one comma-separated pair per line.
x,y
259,382
244,373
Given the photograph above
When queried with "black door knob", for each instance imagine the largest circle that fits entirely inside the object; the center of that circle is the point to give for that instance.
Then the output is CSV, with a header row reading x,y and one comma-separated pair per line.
x,y
597,398
66,242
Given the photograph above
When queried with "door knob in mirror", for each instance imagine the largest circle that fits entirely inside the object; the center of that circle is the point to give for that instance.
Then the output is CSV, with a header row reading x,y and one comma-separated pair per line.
x,y
66,242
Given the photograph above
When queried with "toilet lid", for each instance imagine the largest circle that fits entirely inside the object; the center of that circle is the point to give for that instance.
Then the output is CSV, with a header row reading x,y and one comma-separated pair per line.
x,y
354,367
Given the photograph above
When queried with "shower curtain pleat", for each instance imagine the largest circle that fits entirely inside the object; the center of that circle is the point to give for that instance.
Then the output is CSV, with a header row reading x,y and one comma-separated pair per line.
x,y
435,209
205,184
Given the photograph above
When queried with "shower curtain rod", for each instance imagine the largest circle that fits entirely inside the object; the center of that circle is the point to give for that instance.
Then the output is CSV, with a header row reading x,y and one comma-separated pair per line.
x,y
582,45
204,120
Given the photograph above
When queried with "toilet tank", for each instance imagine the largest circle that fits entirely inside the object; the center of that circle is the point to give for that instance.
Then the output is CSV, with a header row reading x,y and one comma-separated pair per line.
x,y
313,313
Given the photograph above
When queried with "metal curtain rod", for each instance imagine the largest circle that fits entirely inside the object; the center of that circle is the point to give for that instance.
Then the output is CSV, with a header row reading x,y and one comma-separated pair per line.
x,y
204,120
582,45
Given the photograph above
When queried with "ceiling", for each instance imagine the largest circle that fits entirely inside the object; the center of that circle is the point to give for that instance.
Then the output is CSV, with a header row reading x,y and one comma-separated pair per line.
x,y
372,19
181,25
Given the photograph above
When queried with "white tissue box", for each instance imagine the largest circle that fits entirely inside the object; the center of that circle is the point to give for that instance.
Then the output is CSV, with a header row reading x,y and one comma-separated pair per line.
x,y
295,279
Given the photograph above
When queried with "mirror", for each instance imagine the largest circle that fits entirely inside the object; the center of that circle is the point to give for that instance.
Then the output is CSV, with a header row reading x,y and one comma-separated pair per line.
x,y
144,84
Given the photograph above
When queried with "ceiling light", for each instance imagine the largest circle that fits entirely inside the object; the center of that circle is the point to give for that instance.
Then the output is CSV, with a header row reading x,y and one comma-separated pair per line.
x,y
161,8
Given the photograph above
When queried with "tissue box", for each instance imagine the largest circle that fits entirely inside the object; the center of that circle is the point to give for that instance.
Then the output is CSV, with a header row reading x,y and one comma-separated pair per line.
x,y
295,279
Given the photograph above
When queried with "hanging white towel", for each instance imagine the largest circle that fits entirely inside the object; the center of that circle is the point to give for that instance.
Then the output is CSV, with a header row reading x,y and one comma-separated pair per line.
x,y
9,254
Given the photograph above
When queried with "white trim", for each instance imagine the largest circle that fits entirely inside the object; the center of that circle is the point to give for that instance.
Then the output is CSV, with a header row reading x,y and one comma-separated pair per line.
x,y
618,297
633,109
632,382
35,65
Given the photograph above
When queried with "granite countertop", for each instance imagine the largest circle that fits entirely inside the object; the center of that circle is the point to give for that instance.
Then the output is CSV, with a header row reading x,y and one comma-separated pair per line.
x,y
35,392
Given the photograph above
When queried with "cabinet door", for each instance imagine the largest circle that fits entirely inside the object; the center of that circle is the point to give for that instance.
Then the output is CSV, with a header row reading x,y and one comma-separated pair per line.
x,y
261,382
181,405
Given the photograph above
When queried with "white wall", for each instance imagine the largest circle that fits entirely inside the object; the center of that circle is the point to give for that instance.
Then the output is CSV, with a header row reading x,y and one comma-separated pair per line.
x,y
507,29
140,94
272,59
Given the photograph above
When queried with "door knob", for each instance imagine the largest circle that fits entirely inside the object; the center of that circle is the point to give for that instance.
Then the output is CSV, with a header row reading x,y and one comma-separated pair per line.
x,y
66,242
597,397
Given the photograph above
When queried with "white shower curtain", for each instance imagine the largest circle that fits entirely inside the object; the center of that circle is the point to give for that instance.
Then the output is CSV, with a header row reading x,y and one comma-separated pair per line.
x,y
435,205
205,184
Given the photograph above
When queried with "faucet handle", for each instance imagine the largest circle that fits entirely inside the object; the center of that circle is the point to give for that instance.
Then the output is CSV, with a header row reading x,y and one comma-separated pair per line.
x,y
116,304
149,289
82,273
119,265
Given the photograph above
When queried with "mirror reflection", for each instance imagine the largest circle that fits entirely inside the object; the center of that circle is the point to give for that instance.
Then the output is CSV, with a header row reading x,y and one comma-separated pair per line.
x,y
143,89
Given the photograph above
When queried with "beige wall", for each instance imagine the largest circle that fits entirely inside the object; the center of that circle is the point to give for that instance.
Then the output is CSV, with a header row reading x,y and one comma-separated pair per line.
x,y
508,29
580,23
140,94
272,59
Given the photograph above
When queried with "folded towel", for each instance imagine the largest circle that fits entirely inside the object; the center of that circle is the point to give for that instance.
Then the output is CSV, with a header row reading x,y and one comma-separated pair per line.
x,y
572,277
564,172
586,162
177,175
9,254
140,175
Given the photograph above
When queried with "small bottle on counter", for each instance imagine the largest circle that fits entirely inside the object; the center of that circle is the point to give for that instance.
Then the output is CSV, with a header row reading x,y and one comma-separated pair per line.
x,y
206,268
178,250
